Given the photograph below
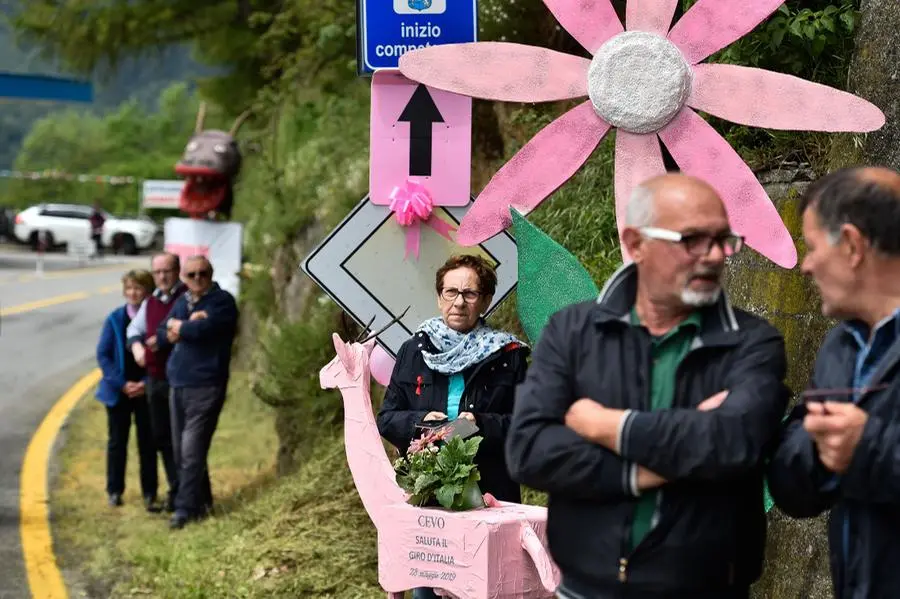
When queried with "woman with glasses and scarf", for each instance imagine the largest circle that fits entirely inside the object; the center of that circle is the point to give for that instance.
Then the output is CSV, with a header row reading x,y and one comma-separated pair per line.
x,y
455,366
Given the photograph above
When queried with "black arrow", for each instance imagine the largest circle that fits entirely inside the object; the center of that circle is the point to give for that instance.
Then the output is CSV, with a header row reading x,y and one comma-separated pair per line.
x,y
421,113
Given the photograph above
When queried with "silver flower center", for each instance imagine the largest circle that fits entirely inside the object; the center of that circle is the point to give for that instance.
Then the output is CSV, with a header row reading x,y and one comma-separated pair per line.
x,y
638,81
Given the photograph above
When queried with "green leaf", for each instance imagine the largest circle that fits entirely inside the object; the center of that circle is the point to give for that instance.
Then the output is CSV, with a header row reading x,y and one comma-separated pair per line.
x,y
447,494
778,38
471,448
810,31
463,471
424,481
818,46
550,277
849,21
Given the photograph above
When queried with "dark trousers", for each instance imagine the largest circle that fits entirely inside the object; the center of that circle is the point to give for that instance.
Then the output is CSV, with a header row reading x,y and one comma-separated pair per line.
x,y
195,415
161,420
119,427
98,241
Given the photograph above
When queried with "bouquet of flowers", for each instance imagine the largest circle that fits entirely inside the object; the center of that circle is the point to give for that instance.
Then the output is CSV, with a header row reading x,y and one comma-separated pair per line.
x,y
443,471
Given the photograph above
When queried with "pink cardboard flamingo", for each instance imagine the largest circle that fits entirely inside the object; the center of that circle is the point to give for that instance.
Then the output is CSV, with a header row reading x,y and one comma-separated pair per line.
x,y
492,553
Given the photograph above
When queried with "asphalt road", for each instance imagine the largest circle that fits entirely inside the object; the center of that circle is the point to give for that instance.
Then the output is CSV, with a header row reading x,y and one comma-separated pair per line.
x,y
49,326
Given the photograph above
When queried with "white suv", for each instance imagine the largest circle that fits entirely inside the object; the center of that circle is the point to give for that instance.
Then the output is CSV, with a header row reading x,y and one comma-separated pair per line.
x,y
71,222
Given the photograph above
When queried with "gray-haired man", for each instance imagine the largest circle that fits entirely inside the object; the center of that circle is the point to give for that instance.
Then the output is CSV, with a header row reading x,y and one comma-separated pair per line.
x,y
647,415
840,449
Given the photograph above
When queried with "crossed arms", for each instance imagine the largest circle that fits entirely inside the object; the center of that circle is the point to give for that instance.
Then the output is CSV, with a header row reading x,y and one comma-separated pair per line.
x,y
577,447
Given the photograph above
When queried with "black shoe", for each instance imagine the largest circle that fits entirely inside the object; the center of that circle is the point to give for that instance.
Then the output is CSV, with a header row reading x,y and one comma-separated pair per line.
x,y
178,521
151,505
115,499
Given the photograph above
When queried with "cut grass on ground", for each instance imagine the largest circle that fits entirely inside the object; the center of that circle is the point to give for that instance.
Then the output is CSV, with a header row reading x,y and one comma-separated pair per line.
x,y
305,535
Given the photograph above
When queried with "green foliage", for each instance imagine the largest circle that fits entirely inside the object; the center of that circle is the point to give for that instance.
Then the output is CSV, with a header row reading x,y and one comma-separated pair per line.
x,y
811,39
256,44
142,79
810,42
435,469
313,166
288,351
127,142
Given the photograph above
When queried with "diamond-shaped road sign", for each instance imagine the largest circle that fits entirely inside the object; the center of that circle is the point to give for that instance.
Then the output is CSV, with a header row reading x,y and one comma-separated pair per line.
x,y
361,265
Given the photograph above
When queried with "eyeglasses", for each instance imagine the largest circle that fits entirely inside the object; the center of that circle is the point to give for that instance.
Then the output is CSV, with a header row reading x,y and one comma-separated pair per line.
x,y
198,274
698,244
470,296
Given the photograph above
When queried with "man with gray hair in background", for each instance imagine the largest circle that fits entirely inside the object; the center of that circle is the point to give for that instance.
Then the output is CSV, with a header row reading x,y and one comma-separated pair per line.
x,y
141,339
201,327
647,414
840,449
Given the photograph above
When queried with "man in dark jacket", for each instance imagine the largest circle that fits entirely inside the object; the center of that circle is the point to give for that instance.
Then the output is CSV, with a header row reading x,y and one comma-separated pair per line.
x,y
840,450
142,341
201,325
647,415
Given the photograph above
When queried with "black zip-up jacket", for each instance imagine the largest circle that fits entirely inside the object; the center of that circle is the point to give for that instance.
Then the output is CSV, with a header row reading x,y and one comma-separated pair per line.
x,y
203,355
864,528
415,390
710,538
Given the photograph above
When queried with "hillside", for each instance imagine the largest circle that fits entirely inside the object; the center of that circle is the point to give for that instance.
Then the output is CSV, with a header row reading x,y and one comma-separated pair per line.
x,y
141,78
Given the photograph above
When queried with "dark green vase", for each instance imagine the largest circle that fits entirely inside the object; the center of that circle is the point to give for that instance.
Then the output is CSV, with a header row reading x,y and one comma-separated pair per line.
x,y
471,499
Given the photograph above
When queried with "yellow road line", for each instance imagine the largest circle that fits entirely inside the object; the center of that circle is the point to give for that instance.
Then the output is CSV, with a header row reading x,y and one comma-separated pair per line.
x,y
44,303
44,578
53,301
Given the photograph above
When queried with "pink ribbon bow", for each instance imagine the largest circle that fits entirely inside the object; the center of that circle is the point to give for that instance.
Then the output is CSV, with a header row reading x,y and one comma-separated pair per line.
x,y
412,204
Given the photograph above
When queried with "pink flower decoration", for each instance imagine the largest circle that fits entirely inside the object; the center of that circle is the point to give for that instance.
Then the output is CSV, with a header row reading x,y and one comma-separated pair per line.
x,y
411,203
644,81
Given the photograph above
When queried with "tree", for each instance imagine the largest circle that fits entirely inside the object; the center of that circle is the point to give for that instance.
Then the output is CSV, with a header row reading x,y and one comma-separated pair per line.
x,y
127,142
255,43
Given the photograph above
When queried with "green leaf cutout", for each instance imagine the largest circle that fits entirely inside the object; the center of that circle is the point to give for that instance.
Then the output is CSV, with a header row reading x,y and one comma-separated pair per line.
x,y
550,277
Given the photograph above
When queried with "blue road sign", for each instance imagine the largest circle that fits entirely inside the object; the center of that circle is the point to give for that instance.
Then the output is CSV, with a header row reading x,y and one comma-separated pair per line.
x,y
387,29
44,88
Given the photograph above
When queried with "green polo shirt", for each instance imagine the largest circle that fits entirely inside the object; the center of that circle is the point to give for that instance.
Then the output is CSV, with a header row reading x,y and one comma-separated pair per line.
x,y
667,351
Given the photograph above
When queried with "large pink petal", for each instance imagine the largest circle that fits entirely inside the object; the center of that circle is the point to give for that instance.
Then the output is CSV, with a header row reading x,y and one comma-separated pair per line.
x,y
541,166
590,22
776,101
638,158
703,153
654,16
710,25
499,71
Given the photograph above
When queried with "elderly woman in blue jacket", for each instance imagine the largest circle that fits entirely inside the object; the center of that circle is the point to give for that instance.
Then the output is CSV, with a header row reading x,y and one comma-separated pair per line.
x,y
122,391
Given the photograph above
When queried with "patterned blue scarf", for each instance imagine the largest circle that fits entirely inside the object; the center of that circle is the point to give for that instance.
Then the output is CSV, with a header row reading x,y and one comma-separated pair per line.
x,y
459,351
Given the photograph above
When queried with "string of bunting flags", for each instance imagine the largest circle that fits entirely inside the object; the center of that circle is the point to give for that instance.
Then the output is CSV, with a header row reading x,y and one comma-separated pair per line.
x,y
57,175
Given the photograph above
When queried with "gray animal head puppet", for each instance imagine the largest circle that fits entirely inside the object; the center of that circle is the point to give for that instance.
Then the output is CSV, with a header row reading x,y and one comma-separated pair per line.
x,y
210,163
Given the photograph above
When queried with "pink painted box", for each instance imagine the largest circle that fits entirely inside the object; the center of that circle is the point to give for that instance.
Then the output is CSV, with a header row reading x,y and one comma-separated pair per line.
x,y
470,554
